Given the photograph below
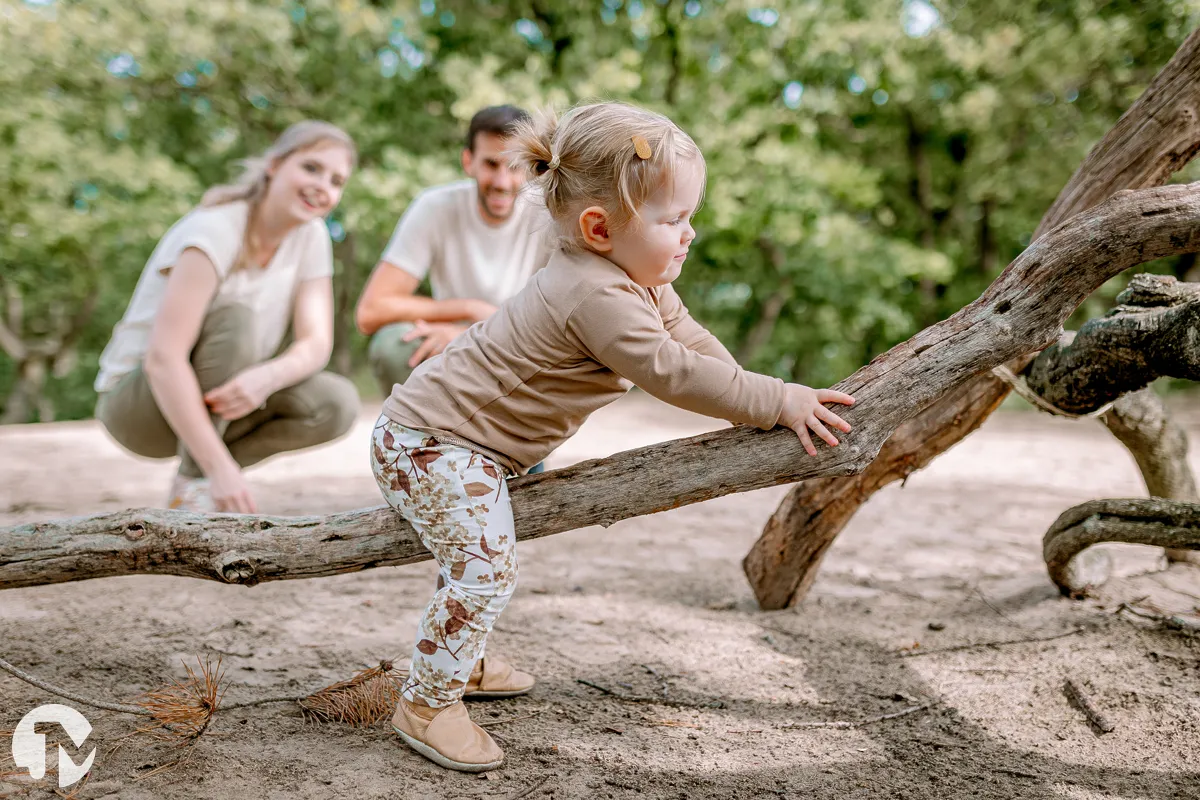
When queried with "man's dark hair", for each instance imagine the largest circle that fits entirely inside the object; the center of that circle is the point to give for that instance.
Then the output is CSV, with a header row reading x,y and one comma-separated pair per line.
x,y
500,120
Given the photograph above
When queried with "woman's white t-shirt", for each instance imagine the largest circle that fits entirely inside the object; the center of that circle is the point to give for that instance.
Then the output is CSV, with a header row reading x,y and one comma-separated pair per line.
x,y
304,254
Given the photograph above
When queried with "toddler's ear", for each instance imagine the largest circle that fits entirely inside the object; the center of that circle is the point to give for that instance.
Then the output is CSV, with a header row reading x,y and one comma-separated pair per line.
x,y
593,225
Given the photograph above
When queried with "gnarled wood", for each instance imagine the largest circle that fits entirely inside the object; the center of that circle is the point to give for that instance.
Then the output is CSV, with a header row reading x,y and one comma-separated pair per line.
x,y
1022,310
1150,334
1159,446
1153,521
1153,139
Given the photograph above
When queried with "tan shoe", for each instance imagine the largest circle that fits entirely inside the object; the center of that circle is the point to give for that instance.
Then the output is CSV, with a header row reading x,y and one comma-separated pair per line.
x,y
493,679
447,737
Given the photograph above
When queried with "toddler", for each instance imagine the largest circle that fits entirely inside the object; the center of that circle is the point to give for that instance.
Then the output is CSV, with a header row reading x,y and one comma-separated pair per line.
x,y
621,185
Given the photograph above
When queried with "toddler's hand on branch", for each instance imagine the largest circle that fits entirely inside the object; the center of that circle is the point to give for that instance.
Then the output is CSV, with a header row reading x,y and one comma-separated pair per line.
x,y
803,409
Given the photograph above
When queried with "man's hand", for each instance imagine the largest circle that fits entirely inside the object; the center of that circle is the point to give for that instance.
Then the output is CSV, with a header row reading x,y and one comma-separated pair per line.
x,y
245,392
436,336
478,310
803,409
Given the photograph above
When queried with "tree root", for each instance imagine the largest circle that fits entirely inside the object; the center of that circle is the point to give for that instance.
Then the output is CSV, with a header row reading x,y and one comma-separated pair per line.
x,y
1151,520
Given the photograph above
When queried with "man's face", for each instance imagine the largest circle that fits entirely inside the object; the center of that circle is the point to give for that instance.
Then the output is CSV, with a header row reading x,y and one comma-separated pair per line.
x,y
496,182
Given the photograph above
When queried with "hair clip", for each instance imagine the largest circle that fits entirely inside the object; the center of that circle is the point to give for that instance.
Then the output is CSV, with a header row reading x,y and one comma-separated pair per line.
x,y
641,147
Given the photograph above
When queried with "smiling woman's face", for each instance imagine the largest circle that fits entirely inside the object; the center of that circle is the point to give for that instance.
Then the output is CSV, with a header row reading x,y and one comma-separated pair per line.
x,y
308,183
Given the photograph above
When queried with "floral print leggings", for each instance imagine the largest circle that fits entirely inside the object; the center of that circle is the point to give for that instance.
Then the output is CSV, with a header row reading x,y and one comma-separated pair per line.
x,y
457,501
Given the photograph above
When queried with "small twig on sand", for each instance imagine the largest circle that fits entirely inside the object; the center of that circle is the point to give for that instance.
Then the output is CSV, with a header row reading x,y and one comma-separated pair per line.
x,y
191,748
843,725
597,686
999,643
262,701
87,701
1171,621
637,698
666,688
993,607
509,719
532,788
1077,696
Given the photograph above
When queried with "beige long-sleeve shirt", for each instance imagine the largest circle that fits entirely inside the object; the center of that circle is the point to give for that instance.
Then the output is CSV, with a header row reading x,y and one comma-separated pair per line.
x,y
576,338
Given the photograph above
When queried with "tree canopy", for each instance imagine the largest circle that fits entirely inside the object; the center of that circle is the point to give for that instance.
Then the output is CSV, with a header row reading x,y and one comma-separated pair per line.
x,y
871,165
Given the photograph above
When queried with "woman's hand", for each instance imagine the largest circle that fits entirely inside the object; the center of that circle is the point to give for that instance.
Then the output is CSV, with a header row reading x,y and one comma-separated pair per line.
x,y
245,392
230,492
803,409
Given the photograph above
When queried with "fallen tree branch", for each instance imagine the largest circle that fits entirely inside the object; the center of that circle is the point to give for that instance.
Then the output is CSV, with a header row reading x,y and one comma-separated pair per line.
x,y
1145,520
1022,310
1158,135
1076,695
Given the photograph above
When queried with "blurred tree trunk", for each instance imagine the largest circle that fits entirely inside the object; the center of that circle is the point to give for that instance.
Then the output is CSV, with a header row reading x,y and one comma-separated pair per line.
x,y
38,356
345,298
764,327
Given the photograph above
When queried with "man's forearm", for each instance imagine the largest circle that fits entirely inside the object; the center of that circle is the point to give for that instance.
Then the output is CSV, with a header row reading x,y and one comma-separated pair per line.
x,y
379,312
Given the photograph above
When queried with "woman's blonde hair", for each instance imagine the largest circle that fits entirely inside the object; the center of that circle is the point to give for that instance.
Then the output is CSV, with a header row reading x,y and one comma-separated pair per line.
x,y
589,158
251,185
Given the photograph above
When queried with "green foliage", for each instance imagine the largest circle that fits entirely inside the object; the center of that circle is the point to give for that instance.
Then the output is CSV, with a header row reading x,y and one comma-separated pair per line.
x,y
872,165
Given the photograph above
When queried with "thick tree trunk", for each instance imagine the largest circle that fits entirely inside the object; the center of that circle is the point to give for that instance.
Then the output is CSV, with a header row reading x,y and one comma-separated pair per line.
x,y
1152,521
1023,310
1158,135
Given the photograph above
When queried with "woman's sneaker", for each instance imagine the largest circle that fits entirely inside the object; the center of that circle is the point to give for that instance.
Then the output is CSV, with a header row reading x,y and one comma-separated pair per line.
x,y
447,736
191,494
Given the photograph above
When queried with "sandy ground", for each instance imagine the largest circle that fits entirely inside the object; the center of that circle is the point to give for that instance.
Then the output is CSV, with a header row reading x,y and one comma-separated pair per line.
x,y
656,606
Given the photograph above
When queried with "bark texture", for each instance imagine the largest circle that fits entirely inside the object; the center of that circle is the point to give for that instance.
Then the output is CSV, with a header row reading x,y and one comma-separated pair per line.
x,y
1152,521
1148,335
1141,422
1153,139
1022,310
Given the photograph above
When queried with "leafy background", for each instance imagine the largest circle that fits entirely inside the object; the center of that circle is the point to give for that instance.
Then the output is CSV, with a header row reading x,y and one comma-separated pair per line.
x,y
873,164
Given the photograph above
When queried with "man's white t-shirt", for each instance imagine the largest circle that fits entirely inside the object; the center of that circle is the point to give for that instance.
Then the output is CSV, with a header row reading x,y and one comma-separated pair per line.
x,y
304,254
443,235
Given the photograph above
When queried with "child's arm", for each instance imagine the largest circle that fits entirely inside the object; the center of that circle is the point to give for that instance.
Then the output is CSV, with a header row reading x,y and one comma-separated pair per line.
x,y
685,330
629,337
626,334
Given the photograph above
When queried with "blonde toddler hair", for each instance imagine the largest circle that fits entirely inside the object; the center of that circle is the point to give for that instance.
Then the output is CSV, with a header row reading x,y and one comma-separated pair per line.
x,y
251,185
588,158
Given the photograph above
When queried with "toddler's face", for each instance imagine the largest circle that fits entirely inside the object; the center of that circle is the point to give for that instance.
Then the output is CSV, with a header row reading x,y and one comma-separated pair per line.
x,y
652,249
